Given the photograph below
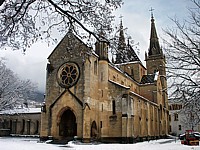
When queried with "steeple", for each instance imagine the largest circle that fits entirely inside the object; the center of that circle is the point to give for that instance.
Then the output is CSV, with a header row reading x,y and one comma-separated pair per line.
x,y
121,45
154,48
155,59
125,52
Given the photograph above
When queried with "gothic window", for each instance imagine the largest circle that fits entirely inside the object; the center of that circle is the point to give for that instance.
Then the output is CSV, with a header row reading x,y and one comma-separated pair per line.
x,y
28,127
37,127
23,126
68,74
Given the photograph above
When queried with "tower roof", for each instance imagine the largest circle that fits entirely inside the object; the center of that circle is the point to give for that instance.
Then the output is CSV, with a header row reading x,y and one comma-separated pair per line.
x,y
122,43
154,48
121,50
125,52
132,53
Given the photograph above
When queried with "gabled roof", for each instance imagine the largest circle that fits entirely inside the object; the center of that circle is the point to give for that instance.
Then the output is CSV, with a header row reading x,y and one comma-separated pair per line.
x,y
151,78
70,35
132,53
147,79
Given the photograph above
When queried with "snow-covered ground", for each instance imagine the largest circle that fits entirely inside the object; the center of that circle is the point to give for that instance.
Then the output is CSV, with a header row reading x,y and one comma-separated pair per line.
x,y
8,143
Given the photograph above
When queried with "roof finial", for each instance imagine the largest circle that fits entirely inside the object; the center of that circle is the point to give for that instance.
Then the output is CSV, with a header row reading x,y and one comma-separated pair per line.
x,y
151,10
121,26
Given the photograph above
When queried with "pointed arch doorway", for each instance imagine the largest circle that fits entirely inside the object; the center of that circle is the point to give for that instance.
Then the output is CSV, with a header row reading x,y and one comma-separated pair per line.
x,y
68,125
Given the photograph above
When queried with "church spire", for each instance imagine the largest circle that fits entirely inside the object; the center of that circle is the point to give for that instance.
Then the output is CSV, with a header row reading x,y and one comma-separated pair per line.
x,y
122,42
155,59
121,35
121,45
154,48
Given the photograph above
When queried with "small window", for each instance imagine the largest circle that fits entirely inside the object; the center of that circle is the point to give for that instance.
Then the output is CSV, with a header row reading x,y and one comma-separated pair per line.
x,y
114,77
169,117
101,124
101,76
170,128
179,127
95,67
132,72
175,117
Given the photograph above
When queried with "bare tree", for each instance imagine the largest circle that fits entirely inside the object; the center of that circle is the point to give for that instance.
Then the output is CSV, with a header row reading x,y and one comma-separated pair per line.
x,y
183,58
13,91
23,22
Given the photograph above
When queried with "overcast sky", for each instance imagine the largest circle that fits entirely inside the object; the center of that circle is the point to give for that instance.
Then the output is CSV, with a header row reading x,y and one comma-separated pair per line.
x,y
136,17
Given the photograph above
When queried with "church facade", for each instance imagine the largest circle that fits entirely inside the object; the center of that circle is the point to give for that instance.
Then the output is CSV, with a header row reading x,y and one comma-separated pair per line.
x,y
88,97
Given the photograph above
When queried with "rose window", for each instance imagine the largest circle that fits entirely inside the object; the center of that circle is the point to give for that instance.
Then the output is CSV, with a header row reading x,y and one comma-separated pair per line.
x,y
68,75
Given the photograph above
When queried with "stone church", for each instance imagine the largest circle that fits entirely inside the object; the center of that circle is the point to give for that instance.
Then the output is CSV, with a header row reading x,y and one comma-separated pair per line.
x,y
90,98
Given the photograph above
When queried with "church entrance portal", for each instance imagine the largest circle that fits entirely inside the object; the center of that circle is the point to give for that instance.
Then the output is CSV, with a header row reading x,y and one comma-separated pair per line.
x,y
68,126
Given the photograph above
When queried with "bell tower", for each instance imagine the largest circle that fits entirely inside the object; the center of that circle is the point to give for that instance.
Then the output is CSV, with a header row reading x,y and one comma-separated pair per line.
x,y
155,60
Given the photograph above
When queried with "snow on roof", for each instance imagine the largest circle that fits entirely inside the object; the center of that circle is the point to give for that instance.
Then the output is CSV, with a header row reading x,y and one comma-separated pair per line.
x,y
156,76
132,62
147,79
21,111
126,63
120,84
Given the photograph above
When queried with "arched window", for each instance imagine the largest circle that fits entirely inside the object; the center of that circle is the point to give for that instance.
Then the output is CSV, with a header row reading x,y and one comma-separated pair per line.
x,y
95,67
